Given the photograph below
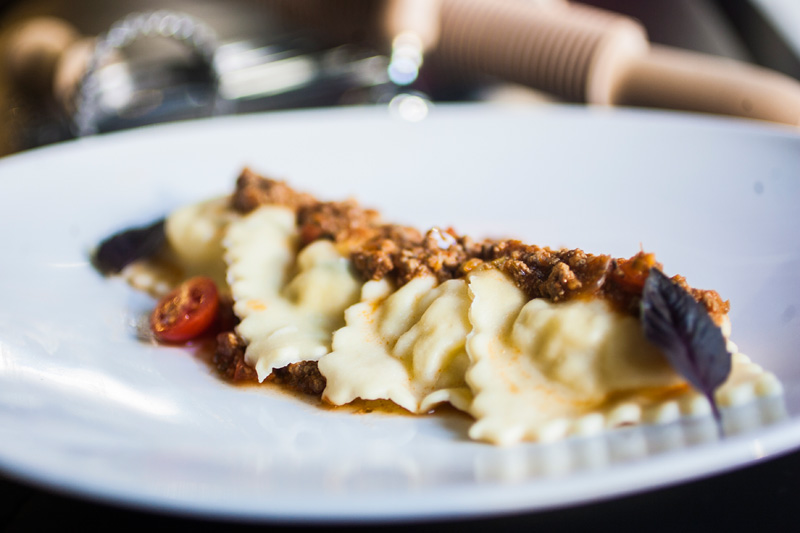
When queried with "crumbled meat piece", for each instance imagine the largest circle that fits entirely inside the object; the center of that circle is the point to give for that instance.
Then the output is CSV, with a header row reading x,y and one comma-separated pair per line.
x,y
253,191
560,282
229,358
404,253
505,249
409,265
521,273
593,269
374,259
553,274
444,252
713,302
469,265
379,255
337,221
304,377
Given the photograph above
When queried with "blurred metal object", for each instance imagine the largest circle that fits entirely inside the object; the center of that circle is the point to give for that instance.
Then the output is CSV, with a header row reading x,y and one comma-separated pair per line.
x,y
181,27
99,88
402,30
257,75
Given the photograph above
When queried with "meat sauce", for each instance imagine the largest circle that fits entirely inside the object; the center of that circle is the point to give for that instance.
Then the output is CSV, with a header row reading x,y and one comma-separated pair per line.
x,y
378,250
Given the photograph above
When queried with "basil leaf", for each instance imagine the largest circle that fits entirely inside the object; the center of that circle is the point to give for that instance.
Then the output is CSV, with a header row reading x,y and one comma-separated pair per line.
x,y
118,251
693,344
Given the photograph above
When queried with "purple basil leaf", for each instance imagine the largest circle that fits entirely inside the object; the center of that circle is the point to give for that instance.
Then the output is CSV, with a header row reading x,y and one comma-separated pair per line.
x,y
119,250
694,345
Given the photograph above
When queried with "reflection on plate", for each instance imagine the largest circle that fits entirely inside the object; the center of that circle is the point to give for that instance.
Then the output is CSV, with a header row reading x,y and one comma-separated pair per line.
x,y
86,407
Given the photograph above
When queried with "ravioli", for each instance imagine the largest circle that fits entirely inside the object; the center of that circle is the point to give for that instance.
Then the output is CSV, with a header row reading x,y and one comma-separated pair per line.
x,y
289,304
406,345
542,371
193,247
535,344
195,234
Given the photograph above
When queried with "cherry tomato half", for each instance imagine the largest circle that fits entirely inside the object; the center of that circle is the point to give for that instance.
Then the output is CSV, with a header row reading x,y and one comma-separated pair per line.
x,y
186,312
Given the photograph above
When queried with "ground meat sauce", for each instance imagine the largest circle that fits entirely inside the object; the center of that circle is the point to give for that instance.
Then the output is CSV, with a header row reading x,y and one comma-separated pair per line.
x,y
229,362
337,221
303,377
229,358
556,275
403,254
378,250
253,191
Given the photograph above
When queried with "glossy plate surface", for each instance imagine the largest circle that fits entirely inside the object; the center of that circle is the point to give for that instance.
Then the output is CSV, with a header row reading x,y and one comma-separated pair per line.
x,y
86,408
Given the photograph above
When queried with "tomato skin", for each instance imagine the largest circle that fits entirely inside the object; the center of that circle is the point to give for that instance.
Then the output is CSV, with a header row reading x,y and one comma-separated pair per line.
x,y
187,312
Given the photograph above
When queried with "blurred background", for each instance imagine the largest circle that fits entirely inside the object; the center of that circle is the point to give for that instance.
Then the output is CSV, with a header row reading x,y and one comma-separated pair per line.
x,y
72,68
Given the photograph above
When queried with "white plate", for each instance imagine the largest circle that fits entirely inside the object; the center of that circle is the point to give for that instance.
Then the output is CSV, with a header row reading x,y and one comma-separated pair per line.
x,y
86,408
